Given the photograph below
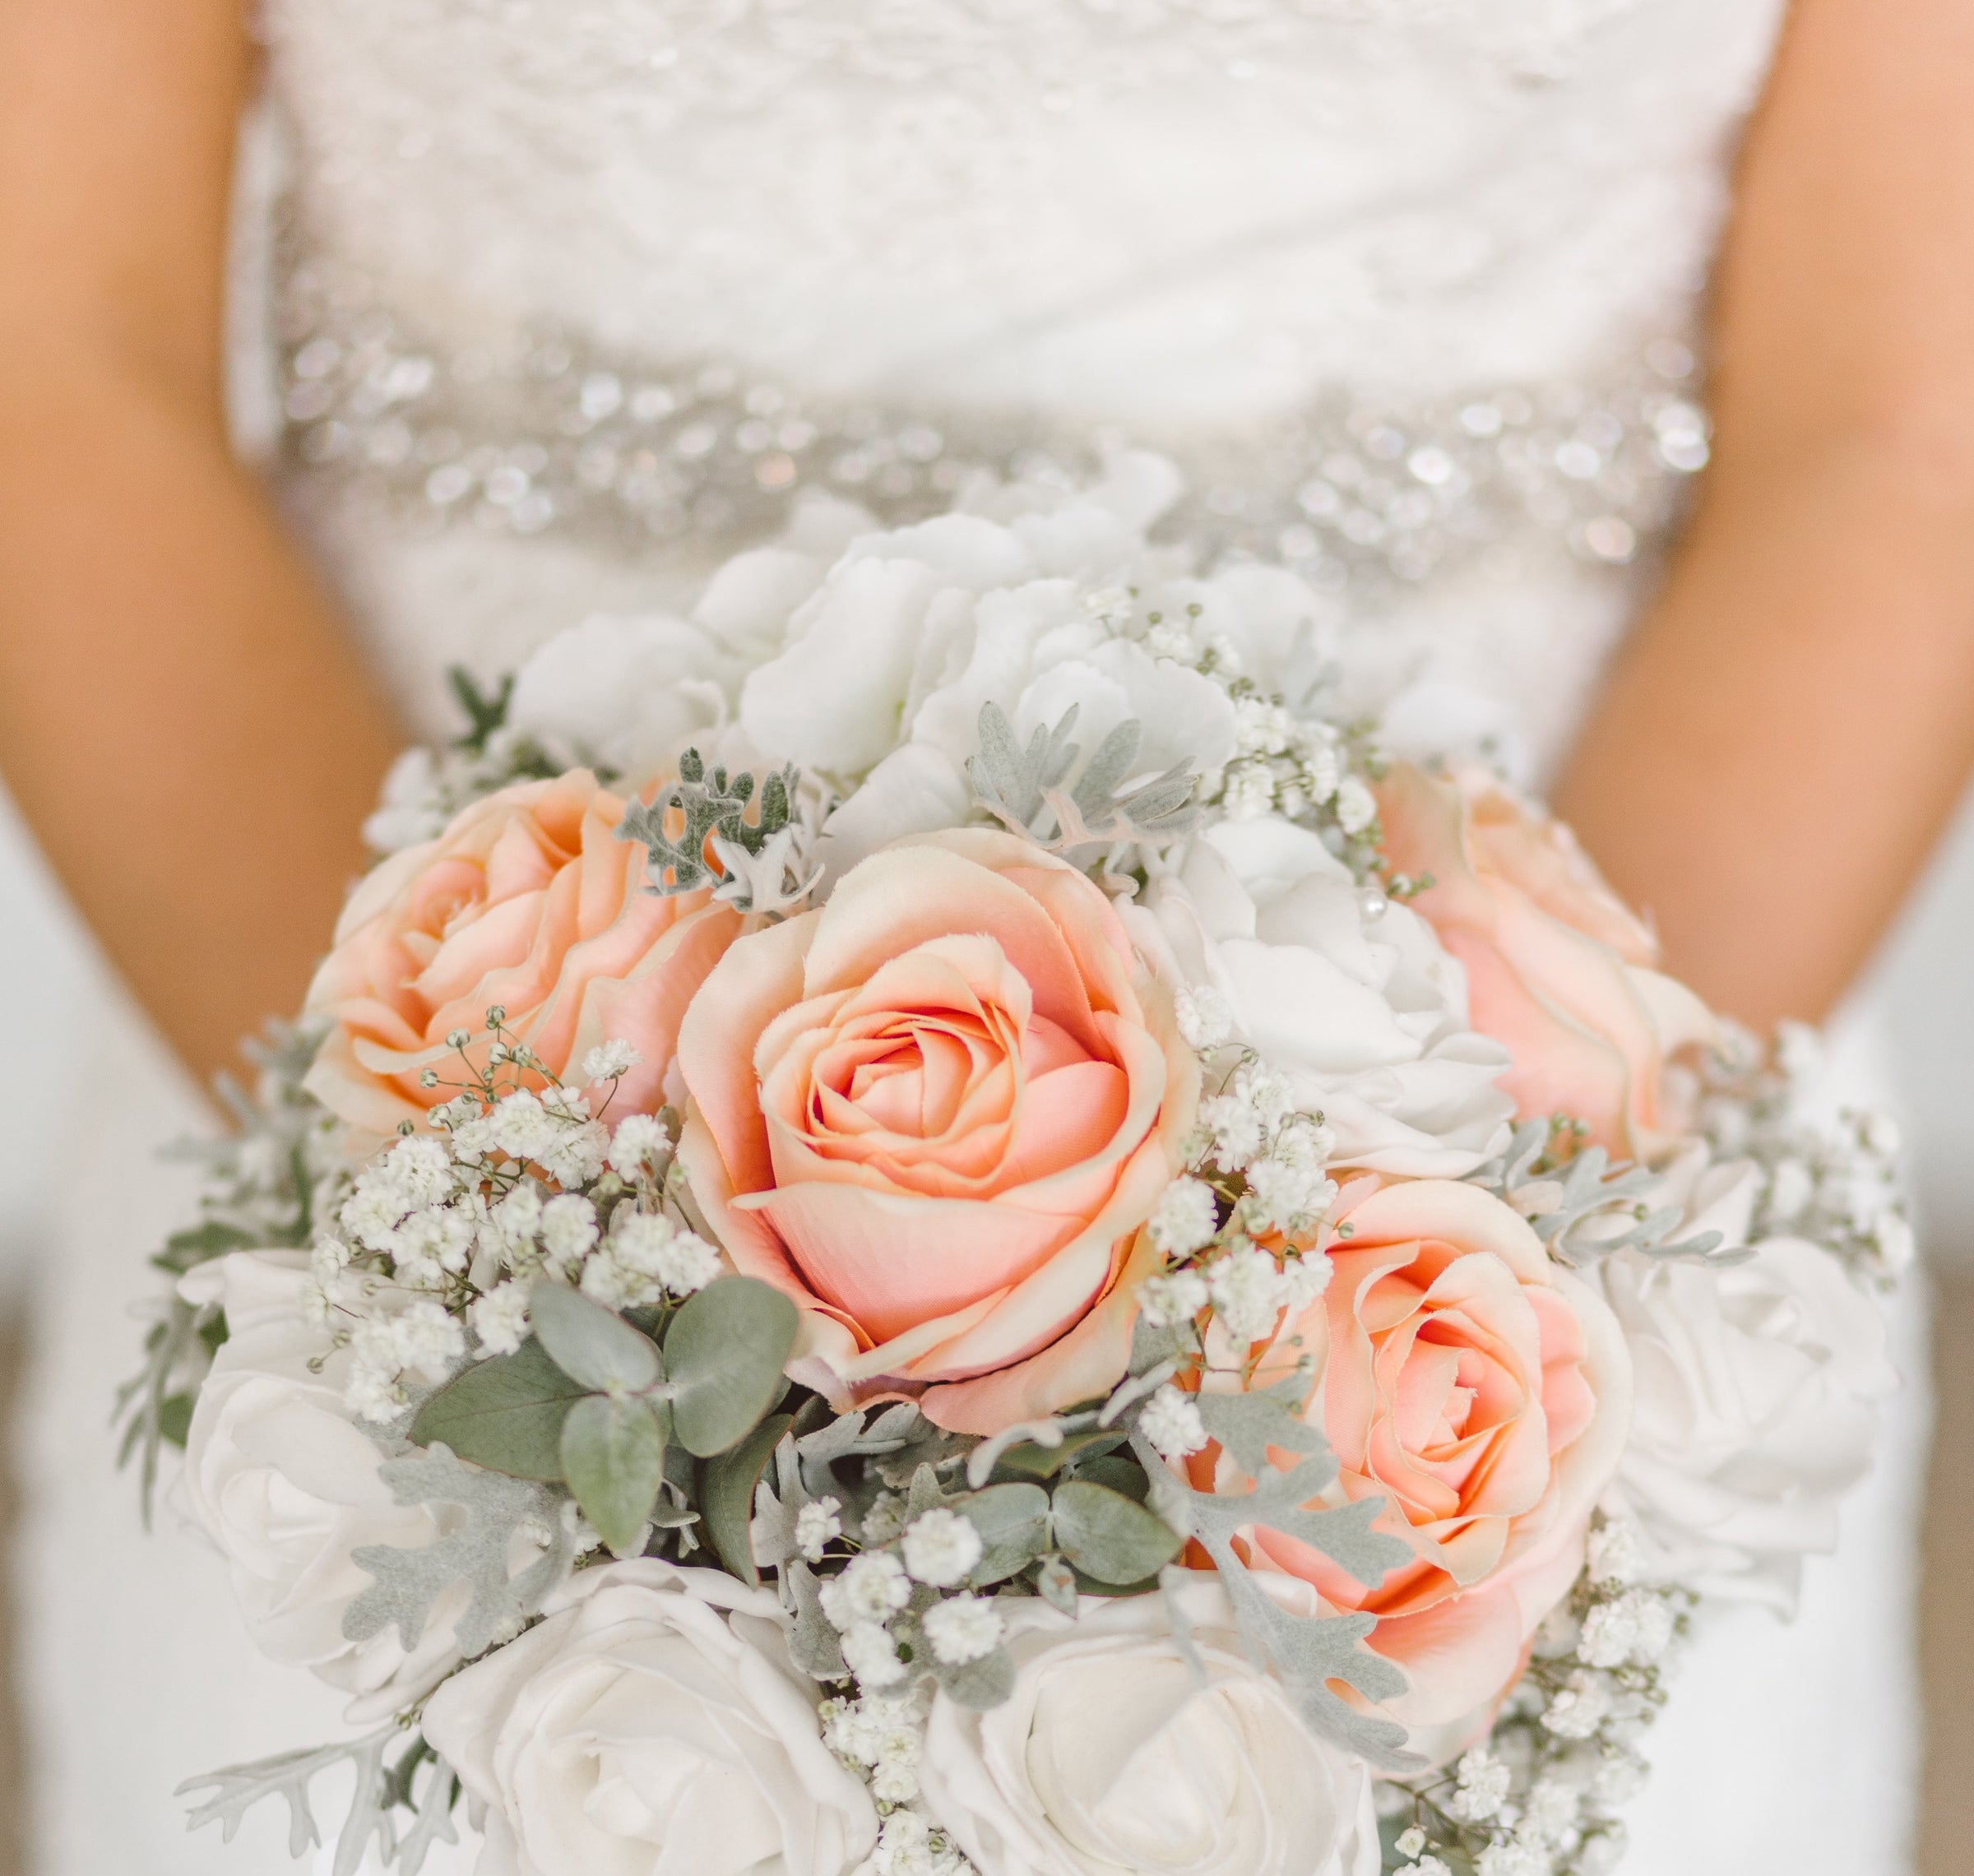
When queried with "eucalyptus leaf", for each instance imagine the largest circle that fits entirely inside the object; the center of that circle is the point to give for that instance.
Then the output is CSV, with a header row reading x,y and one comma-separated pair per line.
x,y
726,1351
980,1684
1108,1536
1013,1523
613,1455
726,1498
592,1344
1121,1473
505,1413
1055,1583
1032,1460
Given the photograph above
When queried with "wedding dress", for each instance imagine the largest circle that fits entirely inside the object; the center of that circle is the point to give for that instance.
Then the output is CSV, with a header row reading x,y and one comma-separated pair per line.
x,y
557,304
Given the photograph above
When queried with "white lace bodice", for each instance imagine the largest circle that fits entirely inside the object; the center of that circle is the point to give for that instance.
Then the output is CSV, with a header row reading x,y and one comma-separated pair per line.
x,y
1381,273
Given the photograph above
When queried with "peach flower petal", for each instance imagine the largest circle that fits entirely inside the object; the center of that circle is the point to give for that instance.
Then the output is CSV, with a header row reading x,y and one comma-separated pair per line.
x,y
528,901
936,1114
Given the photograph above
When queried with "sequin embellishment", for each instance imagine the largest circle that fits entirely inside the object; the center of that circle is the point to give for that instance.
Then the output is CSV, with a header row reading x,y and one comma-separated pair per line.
x,y
545,434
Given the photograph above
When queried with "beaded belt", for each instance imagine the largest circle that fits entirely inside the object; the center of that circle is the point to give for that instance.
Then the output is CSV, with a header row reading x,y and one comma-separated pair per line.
x,y
546,434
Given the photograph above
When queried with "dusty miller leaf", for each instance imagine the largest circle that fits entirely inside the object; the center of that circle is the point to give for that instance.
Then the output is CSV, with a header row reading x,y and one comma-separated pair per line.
x,y
708,807
1305,1652
1583,1202
1022,787
411,1580
1011,782
289,1776
812,1644
1248,1425
433,1823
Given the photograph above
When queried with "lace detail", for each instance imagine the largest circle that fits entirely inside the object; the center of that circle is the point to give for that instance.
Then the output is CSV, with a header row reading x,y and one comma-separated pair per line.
x,y
1196,210
545,433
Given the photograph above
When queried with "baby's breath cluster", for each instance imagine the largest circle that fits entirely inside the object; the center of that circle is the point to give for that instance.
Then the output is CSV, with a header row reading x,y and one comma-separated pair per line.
x,y
1287,760
1832,1178
1539,1796
439,1241
1238,1232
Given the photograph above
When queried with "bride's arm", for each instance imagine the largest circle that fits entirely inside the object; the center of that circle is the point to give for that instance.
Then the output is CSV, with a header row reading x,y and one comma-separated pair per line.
x,y
181,718
1786,735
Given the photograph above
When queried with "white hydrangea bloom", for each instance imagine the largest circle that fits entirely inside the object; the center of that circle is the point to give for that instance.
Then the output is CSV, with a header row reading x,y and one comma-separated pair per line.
x,y
963,1628
1170,1420
941,1548
1185,1218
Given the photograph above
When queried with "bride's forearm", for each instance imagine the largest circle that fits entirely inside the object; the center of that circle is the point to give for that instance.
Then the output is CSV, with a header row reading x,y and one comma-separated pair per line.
x,y
182,719
1793,722
1790,728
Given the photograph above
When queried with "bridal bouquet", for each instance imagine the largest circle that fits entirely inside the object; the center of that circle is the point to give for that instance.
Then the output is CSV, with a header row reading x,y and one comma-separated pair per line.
x,y
930,1220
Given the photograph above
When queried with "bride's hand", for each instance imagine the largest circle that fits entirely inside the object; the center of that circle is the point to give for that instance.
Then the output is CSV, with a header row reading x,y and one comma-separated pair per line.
x,y
1785,736
183,718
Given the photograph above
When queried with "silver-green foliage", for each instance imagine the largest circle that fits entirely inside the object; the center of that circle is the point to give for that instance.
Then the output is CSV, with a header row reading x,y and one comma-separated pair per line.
x,y
709,806
591,1402
410,1580
1585,1212
380,1790
1023,787
264,1189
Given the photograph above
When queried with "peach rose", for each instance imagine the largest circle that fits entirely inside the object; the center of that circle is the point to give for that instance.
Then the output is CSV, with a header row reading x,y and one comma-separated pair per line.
x,y
528,901
936,1114
1484,1392
1557,968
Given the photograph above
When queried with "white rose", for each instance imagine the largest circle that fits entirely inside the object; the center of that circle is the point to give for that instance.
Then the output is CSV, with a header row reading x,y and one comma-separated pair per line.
x,y
1365,1013
633,694
1113,1757
287,1485
1753,1410
886,656
652,1724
